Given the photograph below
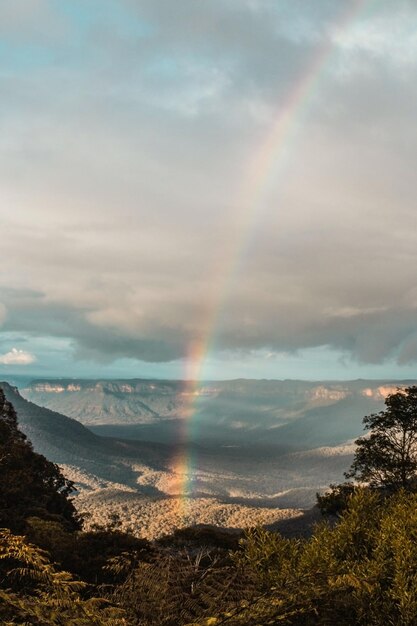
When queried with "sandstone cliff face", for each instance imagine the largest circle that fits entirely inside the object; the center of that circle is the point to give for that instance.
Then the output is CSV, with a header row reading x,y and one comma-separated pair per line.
x,y
380,393
105,401
328,394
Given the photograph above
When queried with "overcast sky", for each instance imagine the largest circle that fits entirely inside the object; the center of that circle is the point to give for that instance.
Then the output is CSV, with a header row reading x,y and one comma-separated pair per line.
x,y
237,174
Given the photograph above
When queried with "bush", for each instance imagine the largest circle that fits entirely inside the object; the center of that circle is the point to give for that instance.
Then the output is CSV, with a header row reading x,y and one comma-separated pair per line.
x,y
336,499
362,572
34,592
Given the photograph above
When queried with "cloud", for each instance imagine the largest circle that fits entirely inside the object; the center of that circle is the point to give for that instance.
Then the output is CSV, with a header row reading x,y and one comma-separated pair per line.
x,y
17,357
126,142
3,313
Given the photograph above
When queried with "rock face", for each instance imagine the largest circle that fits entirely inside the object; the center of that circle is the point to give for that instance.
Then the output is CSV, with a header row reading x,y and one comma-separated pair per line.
x,y
136,401
107,402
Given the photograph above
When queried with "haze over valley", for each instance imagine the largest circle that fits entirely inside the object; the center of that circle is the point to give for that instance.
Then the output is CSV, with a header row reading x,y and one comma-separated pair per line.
x,y
253,452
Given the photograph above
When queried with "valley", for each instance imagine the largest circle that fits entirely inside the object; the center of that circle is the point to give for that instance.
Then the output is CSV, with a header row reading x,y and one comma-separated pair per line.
x,y
254,452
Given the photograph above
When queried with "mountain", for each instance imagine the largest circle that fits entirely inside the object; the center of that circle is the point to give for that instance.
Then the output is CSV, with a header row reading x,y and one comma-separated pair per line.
x,y
104,401
65,441
290,414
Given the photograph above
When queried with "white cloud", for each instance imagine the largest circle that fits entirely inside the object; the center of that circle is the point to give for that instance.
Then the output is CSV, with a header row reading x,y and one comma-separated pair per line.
x,y
385,34
17,357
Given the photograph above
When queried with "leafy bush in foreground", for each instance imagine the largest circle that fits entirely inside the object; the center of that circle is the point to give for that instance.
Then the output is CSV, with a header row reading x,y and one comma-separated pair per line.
x,y
34,592
363,571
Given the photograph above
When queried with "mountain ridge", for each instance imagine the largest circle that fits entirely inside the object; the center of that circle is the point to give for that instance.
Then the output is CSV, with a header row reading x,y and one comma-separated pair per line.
x,y
286,413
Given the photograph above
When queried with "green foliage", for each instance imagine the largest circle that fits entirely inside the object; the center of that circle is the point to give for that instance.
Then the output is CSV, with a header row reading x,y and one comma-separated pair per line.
x,y
203,535
30,484
85,554
178,588
361,572
34,592
37,584
336,499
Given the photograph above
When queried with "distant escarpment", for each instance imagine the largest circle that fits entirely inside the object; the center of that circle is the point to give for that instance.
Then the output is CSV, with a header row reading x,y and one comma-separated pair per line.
x,y
107,402
287,413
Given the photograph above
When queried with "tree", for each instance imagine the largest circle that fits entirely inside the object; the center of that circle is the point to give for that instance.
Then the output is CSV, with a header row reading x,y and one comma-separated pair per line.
x,y
387,456
30,485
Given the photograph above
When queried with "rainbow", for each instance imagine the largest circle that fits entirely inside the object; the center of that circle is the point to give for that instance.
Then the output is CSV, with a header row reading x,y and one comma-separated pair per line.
x,y
250,199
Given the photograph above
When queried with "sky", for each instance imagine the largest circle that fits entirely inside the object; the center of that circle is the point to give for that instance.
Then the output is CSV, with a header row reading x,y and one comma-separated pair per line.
x,y
208,188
